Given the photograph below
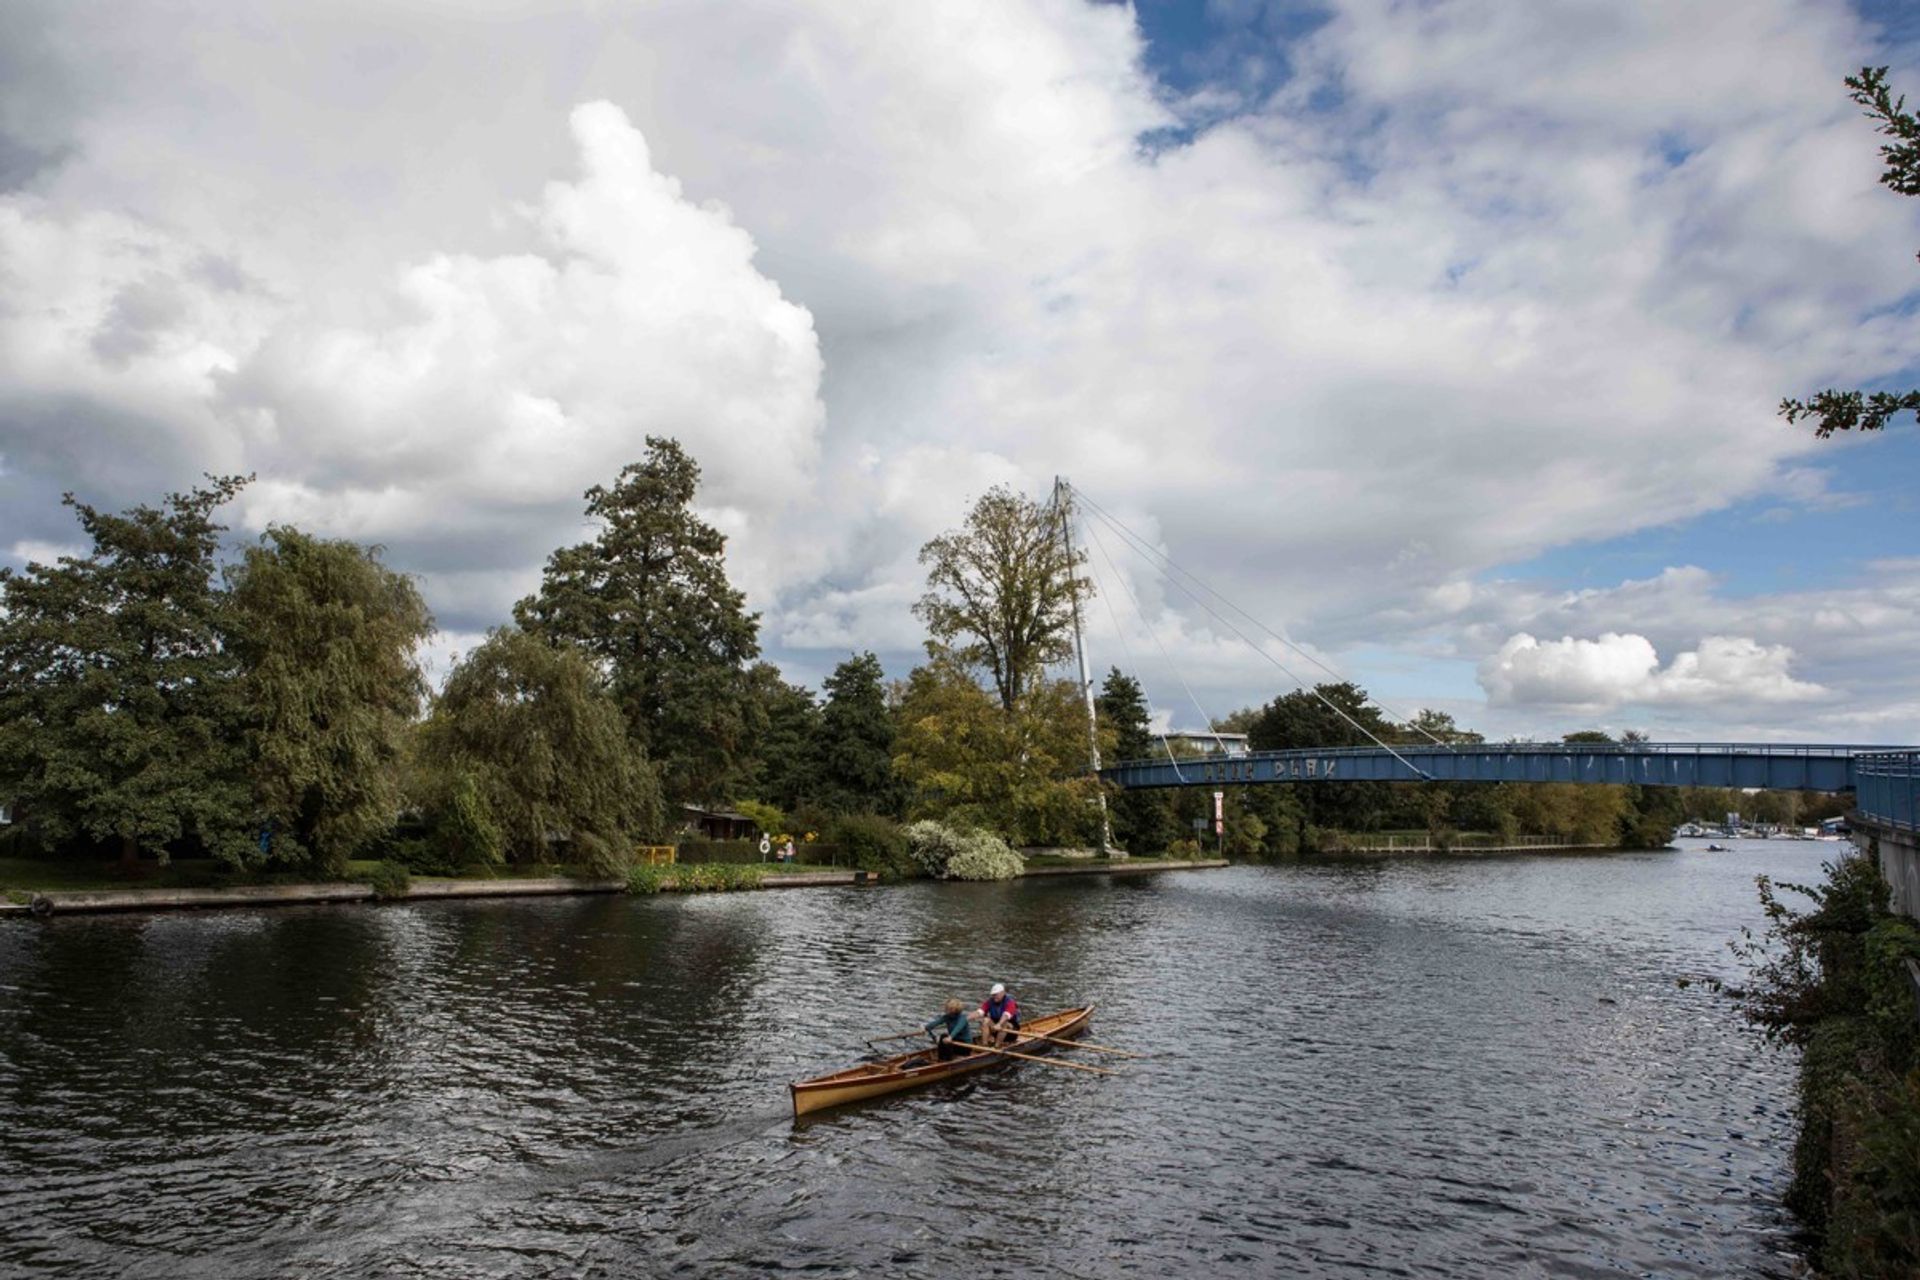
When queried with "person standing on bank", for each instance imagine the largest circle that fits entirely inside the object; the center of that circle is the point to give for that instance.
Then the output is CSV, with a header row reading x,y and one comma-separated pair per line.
x,y
999,1016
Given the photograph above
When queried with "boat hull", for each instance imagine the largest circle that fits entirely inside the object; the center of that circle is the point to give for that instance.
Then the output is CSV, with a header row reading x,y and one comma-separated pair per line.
x,y
921,1068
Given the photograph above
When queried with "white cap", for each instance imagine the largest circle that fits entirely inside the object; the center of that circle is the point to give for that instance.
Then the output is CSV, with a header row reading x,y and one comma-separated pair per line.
x,y
999,989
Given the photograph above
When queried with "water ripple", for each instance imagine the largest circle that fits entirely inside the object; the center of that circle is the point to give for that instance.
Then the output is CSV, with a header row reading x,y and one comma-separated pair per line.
x,y
1441,1069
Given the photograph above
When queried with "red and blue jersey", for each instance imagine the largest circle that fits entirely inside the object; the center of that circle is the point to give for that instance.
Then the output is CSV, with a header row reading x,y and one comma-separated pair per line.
x,y
1003,1007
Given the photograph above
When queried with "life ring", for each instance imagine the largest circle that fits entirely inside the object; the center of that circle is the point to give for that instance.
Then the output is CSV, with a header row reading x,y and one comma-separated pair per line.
x,y
41,905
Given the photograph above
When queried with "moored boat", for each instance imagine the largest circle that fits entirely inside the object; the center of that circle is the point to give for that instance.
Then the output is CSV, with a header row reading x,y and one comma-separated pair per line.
x,y
923,1066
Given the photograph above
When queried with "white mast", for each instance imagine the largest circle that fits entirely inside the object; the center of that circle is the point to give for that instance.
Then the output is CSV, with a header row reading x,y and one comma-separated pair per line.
x,y
1063,502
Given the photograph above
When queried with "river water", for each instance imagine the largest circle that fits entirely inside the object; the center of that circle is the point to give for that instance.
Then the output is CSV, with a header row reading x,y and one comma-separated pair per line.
x,y
1445,1068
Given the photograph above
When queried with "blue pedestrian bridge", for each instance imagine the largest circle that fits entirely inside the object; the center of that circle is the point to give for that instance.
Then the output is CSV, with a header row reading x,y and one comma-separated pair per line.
x,y
1886,779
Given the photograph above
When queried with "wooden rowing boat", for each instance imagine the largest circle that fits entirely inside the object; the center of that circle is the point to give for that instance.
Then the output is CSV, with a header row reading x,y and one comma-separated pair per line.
x,y
923,1067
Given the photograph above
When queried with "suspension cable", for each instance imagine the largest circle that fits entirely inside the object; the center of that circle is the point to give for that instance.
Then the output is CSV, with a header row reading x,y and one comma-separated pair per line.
x,y
1093,535
1147,548
1284,670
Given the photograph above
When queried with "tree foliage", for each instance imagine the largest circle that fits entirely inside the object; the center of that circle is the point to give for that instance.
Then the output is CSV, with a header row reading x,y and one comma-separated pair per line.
x,y
1001,591
968,762
1834,410
785,771
326,636
648,598
1143,821
855,741
546,748
118,700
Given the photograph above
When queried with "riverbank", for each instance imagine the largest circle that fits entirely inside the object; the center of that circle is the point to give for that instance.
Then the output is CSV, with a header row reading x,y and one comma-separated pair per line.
x,y
24,903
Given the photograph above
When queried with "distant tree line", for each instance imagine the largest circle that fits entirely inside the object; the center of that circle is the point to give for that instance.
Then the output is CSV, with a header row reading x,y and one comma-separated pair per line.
x,y
159,699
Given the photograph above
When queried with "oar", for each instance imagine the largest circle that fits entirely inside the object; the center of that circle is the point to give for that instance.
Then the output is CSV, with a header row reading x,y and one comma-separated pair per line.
x,y
1080,1044
1045,1062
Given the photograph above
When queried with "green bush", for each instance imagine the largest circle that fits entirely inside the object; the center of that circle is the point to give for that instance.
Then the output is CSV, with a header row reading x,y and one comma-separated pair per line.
x,y
702,877
735,851
769,819
1187,850
872,843
718,877
389,880
984,856
1832,979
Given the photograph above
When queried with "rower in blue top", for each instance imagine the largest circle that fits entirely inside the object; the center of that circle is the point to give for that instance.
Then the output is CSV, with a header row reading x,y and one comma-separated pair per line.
x,y
952,1031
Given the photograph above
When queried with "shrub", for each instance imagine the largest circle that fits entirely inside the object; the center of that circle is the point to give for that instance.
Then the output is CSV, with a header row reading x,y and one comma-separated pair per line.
x,y
389,880
704,877
718,877
932,846
984,856
1185,849
872,843
769,819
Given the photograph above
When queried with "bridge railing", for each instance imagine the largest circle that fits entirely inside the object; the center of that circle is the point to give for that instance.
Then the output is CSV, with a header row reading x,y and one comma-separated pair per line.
x,y
1802,750
1887,788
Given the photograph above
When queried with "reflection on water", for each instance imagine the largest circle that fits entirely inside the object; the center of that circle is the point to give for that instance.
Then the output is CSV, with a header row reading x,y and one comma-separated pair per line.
x,y
1445,1068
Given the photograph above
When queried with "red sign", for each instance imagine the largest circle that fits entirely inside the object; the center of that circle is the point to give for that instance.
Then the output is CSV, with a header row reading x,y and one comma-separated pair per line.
x,y
1219,813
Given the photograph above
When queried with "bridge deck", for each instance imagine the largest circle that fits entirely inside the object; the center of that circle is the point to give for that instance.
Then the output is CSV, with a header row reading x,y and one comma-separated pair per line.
x,y
1767,766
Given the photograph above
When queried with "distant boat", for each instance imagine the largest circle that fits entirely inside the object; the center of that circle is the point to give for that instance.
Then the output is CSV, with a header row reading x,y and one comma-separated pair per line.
x,y
1719,848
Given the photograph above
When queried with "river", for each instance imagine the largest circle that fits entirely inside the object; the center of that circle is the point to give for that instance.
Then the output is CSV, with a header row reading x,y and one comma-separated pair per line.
x,y
1434,1068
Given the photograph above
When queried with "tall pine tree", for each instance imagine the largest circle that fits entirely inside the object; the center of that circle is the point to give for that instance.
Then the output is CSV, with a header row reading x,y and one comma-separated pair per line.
x,y
648,599
856,741
786,769
1143,821
119,707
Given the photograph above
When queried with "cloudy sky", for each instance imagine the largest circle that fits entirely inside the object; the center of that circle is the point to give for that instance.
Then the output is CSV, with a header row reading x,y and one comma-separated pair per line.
x,y
1443,336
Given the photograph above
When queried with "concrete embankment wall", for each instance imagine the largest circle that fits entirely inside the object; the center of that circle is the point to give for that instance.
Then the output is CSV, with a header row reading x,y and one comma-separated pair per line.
x,y
1899,862
75,902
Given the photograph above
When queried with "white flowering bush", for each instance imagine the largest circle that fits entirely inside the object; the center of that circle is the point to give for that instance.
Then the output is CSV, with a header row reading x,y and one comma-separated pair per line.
x,y
932,845
984,856
951,853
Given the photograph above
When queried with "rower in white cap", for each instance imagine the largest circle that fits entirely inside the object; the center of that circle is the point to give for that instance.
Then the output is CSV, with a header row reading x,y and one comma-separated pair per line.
x,y
999,1016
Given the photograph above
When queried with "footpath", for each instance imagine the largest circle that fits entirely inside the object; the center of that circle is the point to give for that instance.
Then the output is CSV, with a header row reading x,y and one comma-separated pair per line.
x,y
88,901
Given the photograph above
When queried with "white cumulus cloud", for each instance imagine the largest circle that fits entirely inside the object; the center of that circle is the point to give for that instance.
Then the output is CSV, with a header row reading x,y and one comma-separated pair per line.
x,y
1617,670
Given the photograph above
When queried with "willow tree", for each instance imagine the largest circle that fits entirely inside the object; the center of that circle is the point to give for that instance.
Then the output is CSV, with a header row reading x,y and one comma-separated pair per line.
x,y
526,728
326,636
648,599
1001,591
1834,410
118,698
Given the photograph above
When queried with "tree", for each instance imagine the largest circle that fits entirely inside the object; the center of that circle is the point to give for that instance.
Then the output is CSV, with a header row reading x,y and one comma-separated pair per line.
x,y
969,763
1001,591
1143,821
118,702
1847,410
649,600
326,636
786,766
856,741
1331,715
1438,726
1588,737
547,749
